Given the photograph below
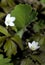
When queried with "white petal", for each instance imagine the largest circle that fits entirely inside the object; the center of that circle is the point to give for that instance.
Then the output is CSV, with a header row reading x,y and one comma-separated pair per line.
x,y
6,23
34,43
11,24
12,19
29,44
38,47
7,17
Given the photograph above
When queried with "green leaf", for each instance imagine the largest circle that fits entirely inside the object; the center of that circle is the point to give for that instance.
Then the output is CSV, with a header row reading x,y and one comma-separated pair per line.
x,y
4,6
20,33
2,15
14,28
11,3
27,61
4,31
33,16
36,27
42,40
42,54
22,13
2,39
39,38
43,1
10,48
18,40
36,58
43,64
7,5
5,61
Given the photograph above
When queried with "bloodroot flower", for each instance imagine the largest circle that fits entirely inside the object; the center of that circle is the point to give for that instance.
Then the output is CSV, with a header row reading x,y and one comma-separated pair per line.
x,y
9,21
33,46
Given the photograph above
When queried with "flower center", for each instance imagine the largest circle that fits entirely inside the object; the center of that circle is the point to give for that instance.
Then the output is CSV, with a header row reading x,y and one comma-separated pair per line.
x,y
32,47
8,21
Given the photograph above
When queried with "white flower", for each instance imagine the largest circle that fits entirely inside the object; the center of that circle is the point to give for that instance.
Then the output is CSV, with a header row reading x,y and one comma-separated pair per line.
x,y
9,20
33,46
